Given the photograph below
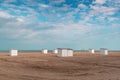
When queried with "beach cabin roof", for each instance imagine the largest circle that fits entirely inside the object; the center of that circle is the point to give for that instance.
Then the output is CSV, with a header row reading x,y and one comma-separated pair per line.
x,y
64,49
103,48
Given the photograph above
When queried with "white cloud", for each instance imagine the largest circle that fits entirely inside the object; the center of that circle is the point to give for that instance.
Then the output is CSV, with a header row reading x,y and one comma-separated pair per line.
x,y
4,15
82,6
24,28
20,20
25,25
56,1
16,27
103,10
112,19
100,1
8,1
44,5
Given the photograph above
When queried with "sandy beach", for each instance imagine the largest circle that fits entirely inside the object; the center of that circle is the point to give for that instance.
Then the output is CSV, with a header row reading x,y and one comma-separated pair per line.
x,y
37,66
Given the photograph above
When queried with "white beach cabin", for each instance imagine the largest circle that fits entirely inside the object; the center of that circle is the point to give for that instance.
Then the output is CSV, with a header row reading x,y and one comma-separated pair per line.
x,y
104,51
44,51
64,52
13,52
91,51
55,51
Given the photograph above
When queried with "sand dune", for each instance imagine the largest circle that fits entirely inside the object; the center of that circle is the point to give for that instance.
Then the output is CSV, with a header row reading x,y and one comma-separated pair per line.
x,y
36,66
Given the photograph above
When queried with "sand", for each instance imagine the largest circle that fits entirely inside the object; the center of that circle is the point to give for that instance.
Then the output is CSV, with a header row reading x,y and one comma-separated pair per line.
x,y
37,66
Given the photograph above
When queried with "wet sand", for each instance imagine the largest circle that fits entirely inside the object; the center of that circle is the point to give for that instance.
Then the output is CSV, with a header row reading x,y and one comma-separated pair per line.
x,y
37,66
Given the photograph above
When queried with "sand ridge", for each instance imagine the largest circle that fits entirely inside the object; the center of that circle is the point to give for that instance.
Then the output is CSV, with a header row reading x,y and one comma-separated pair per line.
x,y
37,66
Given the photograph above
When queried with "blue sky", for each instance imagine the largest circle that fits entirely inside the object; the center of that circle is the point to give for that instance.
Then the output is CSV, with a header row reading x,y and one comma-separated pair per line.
x,y
76,24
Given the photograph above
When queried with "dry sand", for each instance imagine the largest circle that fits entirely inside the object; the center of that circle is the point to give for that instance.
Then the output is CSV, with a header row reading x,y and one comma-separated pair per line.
x,y
36,66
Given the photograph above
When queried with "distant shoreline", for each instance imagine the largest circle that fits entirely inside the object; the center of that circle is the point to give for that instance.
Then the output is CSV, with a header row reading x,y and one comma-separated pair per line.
x,y
52,50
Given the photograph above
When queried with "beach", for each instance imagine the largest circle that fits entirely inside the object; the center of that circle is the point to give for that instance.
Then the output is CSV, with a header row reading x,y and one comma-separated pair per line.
x,y
38,66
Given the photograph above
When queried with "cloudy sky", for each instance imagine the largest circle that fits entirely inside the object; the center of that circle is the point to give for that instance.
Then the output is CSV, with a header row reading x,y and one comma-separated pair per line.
x,y
76,24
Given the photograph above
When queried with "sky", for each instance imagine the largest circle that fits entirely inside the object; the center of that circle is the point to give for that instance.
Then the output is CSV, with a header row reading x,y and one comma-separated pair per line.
x,y
76,24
